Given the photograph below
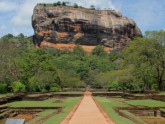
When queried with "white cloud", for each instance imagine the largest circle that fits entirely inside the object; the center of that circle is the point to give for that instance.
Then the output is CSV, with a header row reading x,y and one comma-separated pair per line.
x,y
23,15
6,6
22,18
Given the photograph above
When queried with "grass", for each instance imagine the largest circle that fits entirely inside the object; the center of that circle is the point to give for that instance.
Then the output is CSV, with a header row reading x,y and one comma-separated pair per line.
x,y
6,95
40,116
36,95
162,93
148,103
68,104
108,106
133,116
68,92
54,93
139,94
162,110
45,103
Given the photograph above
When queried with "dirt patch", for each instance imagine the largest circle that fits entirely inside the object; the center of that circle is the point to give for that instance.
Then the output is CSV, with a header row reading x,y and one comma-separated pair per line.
x,y
25,116
70,47
25,112
154,120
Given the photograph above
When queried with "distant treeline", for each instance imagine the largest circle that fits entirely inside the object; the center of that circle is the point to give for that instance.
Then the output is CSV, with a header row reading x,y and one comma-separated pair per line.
x,y
59,3
139,66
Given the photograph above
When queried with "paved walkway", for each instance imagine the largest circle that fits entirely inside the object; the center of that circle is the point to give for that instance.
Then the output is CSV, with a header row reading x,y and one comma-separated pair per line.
x,y
88,112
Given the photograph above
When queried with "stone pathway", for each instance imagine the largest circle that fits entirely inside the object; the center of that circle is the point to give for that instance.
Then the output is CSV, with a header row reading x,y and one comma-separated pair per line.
x,y
88,113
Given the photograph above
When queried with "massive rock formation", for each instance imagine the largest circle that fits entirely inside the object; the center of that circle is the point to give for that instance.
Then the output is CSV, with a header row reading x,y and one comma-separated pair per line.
x,y
64,24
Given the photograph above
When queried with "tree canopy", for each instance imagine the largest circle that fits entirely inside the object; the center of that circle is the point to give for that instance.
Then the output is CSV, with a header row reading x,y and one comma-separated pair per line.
x,y
139,66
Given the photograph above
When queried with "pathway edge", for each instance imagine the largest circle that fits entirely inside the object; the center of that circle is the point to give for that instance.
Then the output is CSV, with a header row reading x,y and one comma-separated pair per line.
x,y
106,116
71,113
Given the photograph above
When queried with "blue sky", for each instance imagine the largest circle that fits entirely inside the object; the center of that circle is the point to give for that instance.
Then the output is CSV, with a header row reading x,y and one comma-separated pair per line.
x,y
15,15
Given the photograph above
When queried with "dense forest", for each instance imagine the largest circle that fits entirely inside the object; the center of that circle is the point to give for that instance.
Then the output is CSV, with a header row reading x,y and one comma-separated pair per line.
x,y
139,66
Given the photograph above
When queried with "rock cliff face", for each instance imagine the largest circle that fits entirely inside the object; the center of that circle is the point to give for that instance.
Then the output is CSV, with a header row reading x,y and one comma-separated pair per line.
x,y
63,24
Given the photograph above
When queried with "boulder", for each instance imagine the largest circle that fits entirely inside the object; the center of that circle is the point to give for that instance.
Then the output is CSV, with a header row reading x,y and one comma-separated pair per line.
x,y
69,25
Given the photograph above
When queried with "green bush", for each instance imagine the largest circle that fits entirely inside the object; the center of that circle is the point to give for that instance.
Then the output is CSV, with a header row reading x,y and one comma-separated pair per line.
x,y
113,85
75,5
33,85
54,4
18,87
54,87
99,51
3,88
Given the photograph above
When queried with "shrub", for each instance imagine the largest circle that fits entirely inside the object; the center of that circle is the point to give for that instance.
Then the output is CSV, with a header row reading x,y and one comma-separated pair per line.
x,y
18,87
54,4
33,85
113,85
58,3
54,87
78,50
64,3
3,88
75,5
99,51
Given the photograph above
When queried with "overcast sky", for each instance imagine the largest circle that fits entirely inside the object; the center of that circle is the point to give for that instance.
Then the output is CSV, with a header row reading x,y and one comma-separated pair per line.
x,y
15,15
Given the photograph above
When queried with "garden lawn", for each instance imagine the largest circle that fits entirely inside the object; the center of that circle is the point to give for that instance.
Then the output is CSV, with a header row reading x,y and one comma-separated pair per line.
x,y
162,93
6,95
108,106
148,103
41,115
133,116
68,105
44,103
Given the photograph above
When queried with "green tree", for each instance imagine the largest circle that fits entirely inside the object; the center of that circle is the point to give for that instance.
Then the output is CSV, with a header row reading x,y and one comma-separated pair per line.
x,y
7,37
92,7
148,56
18,87
54,4
3,88
9,54
59,3
79,51
99,51
64,3
75,5
158,36
21,35
70,80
